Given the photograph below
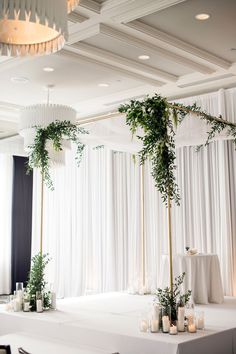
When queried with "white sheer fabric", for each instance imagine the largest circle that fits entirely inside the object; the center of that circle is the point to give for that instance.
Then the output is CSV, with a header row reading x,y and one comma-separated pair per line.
x,y
6,173
91,223
91,220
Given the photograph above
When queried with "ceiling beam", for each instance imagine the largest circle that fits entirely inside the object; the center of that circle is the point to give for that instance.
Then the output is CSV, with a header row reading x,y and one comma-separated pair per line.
x,y
83,34
123,63
140,8
151,48
72,51
163,37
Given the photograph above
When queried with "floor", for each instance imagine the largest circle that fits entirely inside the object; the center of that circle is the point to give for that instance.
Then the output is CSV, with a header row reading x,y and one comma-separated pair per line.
x,y
112,321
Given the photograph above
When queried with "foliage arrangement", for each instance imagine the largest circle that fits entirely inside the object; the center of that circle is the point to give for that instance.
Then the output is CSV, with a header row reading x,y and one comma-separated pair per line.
x,y
158,119
170,298
55,132
37,282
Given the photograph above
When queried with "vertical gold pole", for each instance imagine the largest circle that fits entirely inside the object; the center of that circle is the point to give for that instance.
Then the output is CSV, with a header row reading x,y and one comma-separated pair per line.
x,y
170,244
41,216
143,250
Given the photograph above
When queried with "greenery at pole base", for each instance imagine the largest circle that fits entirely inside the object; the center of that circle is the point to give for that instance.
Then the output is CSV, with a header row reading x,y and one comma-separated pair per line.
x,y
158,120
170,298
36,282
56,132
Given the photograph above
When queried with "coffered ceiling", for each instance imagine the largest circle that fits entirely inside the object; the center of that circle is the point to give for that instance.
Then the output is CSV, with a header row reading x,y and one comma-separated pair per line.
x,y
99,67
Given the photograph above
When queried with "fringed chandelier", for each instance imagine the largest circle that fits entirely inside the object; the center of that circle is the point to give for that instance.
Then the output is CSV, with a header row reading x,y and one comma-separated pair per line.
x,y
33,27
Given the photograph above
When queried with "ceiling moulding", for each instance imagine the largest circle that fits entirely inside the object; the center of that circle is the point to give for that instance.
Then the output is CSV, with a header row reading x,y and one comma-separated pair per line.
x,y
83,34
177,43
205,81
141,8
151,48
123,63
91,5
76,18
110,5
73,52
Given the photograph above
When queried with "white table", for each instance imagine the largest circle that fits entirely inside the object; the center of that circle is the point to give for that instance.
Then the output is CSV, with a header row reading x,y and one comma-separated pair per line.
x,y
203,276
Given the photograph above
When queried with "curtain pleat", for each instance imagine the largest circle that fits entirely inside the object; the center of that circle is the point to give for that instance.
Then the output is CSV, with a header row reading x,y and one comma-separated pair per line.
x,y
6,177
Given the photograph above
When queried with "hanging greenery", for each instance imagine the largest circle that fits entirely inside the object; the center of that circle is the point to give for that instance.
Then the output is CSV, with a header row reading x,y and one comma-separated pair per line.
x,y
54,132
158,119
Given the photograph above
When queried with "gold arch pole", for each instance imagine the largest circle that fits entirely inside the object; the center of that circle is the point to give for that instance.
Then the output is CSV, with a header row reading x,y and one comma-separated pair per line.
x,y
41,215
170,244
143,243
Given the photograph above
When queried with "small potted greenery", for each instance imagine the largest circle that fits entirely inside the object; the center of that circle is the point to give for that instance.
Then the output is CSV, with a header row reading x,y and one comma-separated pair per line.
x,y
36,282
170,299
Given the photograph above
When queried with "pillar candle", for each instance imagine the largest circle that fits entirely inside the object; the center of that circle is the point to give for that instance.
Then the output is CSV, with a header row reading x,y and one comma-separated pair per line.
x,y
154,325
173,329
155,312
180,323
39,306
53,300
165,324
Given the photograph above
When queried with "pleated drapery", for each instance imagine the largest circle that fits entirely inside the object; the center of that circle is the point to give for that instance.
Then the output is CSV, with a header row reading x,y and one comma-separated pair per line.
x,y
92,219
6,177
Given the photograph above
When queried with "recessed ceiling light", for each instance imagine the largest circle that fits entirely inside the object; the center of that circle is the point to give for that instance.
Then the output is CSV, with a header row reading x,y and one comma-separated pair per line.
x,y
144,57
202,17
48,69
19,80
103,85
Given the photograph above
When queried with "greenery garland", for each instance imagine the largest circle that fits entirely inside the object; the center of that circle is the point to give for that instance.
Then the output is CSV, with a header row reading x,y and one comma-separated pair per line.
x,y
158,119
56,132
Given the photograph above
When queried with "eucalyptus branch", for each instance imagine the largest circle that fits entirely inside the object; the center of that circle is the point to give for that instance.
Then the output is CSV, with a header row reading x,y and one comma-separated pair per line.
x,y
156,117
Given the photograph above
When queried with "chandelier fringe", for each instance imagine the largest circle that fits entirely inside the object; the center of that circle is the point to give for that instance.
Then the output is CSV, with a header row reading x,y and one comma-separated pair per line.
x,y
71,5
49,47
50,13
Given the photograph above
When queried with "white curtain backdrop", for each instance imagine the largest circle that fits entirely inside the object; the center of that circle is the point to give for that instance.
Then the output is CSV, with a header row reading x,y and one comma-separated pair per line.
x,y
92,219
91,223
6,174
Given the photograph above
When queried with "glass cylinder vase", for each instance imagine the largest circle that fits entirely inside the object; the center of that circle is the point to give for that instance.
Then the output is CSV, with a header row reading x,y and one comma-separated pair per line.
x,y
165,318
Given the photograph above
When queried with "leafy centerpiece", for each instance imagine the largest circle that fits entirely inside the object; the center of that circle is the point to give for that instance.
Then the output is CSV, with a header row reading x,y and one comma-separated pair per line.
x,y
170,299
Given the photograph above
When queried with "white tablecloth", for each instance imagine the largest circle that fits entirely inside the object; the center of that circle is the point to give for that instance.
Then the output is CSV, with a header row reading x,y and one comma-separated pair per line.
x,y
203,276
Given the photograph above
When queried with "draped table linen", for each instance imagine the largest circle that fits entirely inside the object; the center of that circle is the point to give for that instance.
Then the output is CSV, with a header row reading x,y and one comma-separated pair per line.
x,y
202,276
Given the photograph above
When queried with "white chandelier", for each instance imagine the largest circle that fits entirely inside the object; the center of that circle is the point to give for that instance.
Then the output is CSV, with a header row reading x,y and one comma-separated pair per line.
x,y
33,27
41,115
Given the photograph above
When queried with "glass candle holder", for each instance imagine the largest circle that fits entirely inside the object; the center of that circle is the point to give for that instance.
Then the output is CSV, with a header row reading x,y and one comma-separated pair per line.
x,y
39,301
19,286
165,318
143,323
200,320
154,325
26,303
189,309
192,328
180,317
155,318
173,328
